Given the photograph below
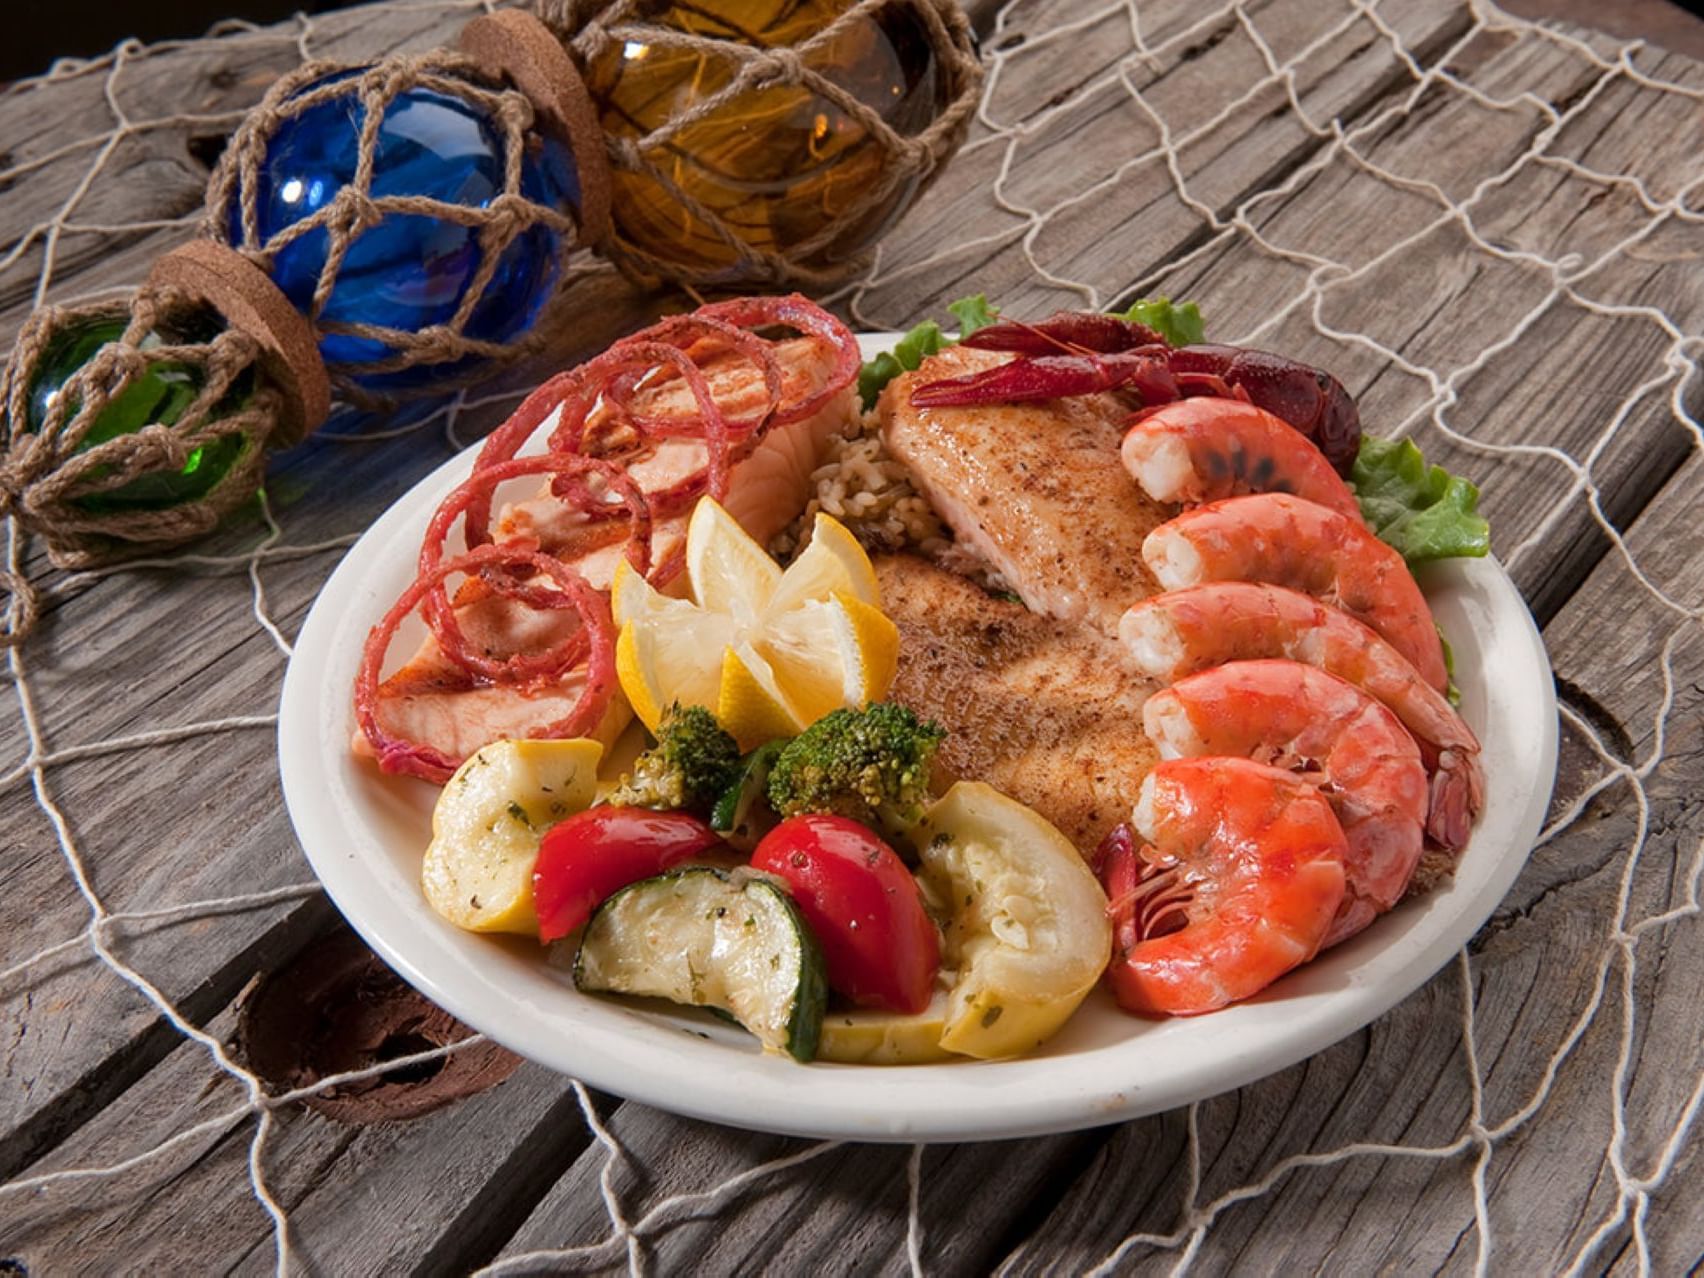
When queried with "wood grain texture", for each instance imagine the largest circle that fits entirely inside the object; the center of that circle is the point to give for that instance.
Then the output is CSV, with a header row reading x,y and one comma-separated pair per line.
x,y
377,1199
92,1074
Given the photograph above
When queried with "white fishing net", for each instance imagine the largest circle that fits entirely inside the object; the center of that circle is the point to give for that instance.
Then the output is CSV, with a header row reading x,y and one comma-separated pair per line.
x,y
1434,202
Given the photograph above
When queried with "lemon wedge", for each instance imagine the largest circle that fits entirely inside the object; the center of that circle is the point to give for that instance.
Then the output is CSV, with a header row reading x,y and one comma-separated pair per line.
x,y
728,572
769,651
831,563
832,652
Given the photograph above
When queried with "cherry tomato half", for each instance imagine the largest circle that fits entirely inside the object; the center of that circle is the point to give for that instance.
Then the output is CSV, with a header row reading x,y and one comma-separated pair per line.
x,y
594,854
862,903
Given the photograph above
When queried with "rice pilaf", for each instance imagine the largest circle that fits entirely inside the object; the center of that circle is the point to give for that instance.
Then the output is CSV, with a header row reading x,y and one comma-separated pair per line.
x,y
870,491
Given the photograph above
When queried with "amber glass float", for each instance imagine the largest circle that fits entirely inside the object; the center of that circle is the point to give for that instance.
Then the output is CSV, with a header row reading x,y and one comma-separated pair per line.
x,y
778,164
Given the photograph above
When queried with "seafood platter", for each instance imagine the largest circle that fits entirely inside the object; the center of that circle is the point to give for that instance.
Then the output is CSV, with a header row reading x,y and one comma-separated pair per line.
x,y
913,736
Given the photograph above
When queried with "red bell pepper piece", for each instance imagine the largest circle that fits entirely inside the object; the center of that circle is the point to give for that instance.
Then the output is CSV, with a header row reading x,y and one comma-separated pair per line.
x,y
591,855
880,948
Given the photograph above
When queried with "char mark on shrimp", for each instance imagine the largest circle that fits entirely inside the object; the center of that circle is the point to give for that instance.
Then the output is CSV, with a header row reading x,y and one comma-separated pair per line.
x,y
1206,449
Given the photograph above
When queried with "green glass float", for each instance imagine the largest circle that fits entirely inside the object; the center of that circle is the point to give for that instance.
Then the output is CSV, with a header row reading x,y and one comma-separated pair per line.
x,y
158,396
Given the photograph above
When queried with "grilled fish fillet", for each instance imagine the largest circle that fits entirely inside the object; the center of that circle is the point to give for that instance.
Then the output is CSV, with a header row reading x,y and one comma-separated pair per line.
x,y
432,700
1041,709
1036,490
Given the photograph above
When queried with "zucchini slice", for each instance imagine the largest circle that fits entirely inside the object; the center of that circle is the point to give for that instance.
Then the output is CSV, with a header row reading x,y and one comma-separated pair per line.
x,y
732,941
740,812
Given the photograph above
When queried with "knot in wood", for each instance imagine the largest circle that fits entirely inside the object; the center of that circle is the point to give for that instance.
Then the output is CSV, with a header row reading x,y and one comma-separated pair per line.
x,y
338,1010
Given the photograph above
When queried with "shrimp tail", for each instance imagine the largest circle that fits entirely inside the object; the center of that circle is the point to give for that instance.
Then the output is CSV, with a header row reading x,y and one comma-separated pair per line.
x,y
1458,792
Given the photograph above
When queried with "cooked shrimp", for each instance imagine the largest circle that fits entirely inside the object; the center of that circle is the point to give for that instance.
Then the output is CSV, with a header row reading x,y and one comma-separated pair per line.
x,y
1196,450
1239,882
1176,634
1284,540
1296,716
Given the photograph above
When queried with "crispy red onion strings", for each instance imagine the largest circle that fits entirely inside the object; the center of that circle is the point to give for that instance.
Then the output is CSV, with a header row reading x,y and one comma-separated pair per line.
x,y
796,311
413,758
440,613
647,355
683,331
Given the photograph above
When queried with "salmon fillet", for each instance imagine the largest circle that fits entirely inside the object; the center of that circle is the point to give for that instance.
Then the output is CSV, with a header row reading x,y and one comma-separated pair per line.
x,y
431,700
1036,490
765,491
1038,708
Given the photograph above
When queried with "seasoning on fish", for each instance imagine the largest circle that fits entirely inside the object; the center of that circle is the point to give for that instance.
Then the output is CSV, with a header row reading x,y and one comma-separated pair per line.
x,y
1036,490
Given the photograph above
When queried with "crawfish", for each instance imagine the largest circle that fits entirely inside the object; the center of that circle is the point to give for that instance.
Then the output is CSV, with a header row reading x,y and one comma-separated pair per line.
x,y
1080,353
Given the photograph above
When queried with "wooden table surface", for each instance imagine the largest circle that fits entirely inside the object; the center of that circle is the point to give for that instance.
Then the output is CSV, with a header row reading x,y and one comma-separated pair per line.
x,y
1491,233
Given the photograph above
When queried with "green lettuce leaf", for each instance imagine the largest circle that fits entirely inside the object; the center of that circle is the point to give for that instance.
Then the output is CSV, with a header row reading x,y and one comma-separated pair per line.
x,y
1424,511
1179,324
972,313
921,342
907,353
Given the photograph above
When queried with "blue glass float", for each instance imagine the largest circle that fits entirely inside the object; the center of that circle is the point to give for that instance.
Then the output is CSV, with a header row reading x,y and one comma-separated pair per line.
x,y
410,271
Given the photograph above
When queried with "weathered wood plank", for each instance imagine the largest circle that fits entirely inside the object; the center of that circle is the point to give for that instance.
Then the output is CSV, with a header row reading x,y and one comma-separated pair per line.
x,y
845,1210
338,1183
1065,95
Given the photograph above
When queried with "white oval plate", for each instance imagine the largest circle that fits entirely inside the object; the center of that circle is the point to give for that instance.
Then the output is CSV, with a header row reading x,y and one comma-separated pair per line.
x,y
364,835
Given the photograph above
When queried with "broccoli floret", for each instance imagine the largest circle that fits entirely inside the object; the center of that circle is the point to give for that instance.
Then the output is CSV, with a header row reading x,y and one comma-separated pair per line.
x,y
871,765
693,762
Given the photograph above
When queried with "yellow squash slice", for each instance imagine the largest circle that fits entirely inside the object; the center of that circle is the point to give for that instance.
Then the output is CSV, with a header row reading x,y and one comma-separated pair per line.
x,y
1028,933
488,823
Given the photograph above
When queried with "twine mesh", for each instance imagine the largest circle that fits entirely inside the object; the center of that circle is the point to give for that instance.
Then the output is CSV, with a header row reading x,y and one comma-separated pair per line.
x,y
1498,1128
592,28
59,482
499,221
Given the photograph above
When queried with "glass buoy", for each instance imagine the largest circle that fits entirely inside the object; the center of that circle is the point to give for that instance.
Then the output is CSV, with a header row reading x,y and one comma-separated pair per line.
x,y
777,164
410,271
160,394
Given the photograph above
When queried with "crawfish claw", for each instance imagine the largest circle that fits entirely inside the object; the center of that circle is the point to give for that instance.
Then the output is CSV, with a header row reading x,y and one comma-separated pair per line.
x,y
1065,332
1052,377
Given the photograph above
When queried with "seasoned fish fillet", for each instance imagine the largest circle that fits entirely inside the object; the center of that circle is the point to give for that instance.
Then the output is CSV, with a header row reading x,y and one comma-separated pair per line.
x,y
1041,709
1037,490
432,700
